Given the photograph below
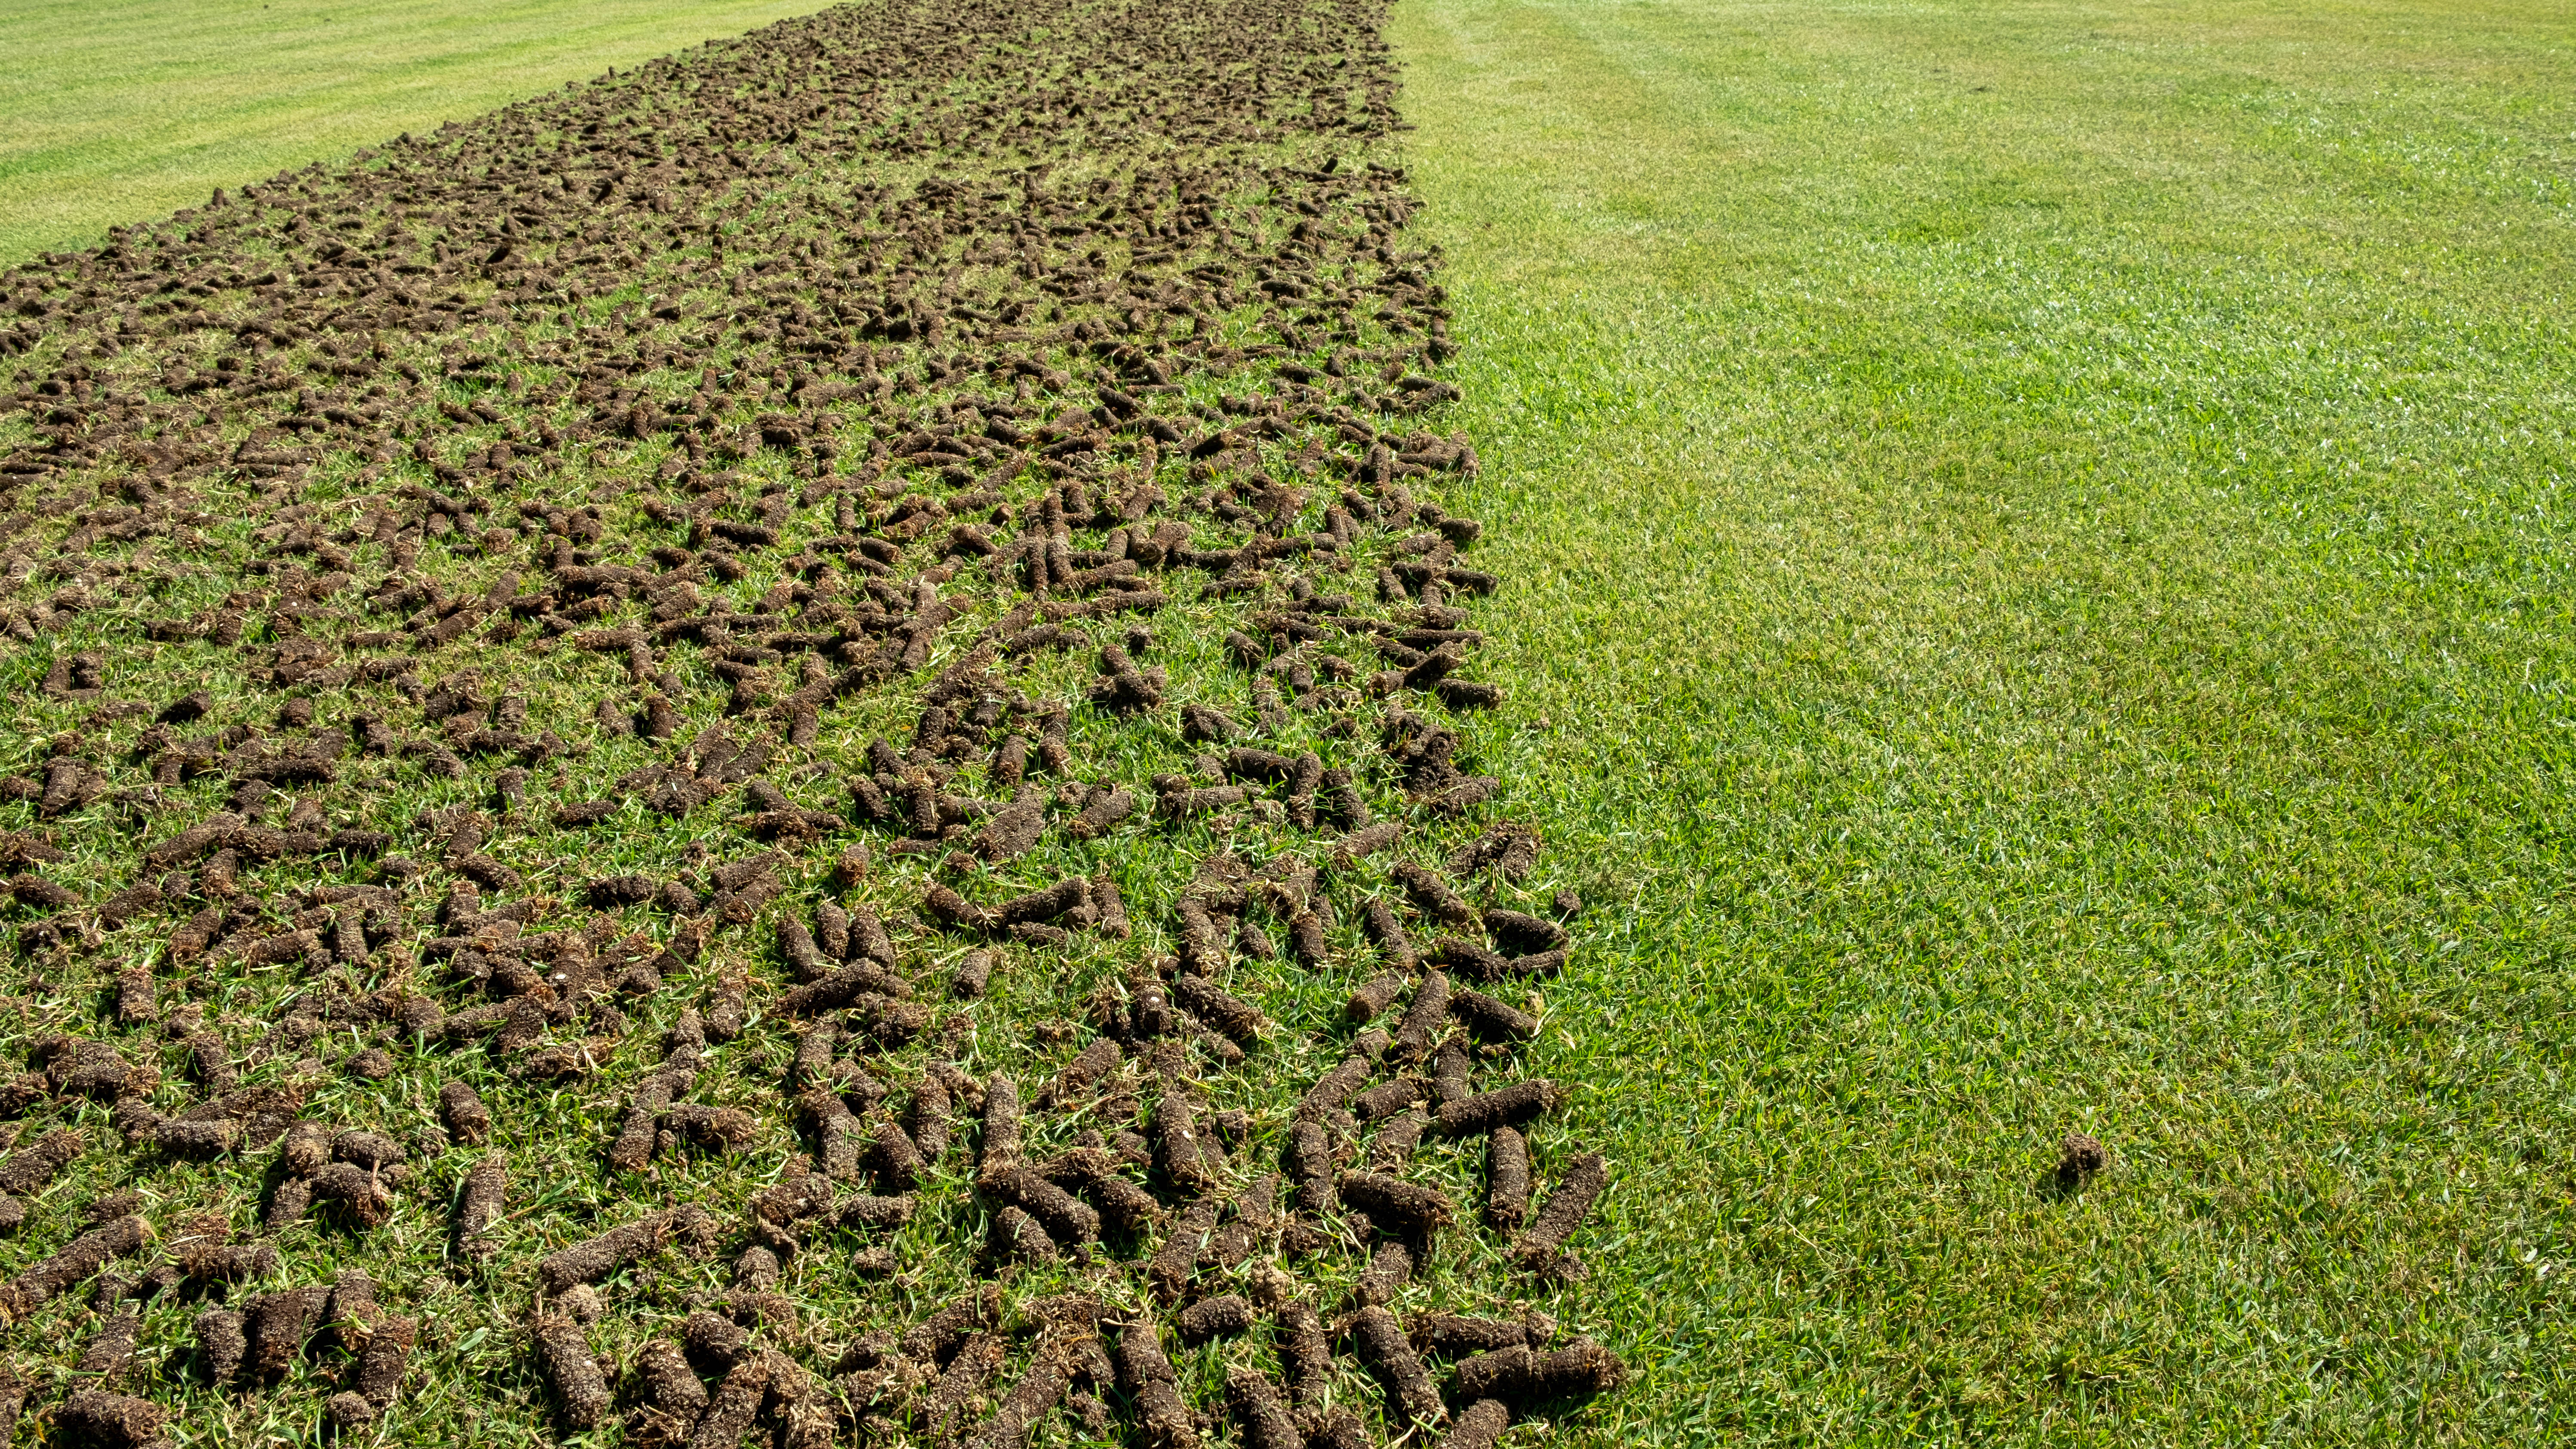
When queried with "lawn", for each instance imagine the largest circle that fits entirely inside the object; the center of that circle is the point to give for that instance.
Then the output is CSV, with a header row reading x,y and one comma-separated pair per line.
x,y
117,113
2037,599
2038,538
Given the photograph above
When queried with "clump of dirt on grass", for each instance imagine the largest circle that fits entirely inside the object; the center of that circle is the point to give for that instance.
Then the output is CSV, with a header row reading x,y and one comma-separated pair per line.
x,y
2080,1158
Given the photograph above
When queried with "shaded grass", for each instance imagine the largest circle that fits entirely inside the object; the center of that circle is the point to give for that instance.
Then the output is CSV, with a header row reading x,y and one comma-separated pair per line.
x,y
2038,599
113,114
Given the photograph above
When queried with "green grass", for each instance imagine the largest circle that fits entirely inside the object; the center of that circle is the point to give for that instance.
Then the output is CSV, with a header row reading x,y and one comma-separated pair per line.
x,y
2038,598
2038,541
112,114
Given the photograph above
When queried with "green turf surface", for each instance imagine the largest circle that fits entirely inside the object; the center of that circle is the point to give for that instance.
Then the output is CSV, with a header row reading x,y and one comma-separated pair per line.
x,y
2038,547
115,113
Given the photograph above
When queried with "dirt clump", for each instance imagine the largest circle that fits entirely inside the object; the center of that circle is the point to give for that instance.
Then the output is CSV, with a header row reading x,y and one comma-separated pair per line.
x,y
2080,1158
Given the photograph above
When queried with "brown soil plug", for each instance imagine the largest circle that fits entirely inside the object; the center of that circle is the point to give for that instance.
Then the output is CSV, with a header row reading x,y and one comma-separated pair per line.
x,y
713,1341
1503,1107
1307,940
1491,1019
382,1361
1333,1090
1362,843
470,1123
1480,1425
734,1405
1507,1179
1396,1205
1510,848
1096,1062
1338,1429
1111,904
1424,1017
1213,1318
1066,1217
1374,995
1396,1141
1105,806
575,1373
486,1184
1202,725
37,1164
796,945
1452,1335
1434,896
1523,1376
1000,1154
1381,1344
1173,1263
1220,1009
1178,1146
1566,1208
1066,1346
929,1121
1387,1098
590,1261
1018,1237
977,1361
1469,959
1124,1207
1123,688
1390,1267
1261,1412
77,1260
972,975
221,1343
1522,934
352,1311
668,1382
841,988
110,1351
1387,929
92,1419
713,1129
896,1157
278,1324
2079,1158
1305,1350
1146,1373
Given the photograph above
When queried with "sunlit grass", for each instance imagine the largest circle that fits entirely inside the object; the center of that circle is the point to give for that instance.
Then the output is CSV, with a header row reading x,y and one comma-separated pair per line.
x,y
115,113
2038,595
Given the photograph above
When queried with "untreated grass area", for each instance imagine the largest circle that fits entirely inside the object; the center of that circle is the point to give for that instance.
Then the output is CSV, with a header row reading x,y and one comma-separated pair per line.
x,y
110,114
2036,543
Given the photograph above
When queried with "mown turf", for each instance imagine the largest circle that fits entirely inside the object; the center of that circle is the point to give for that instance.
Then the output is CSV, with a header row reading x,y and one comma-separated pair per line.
x,y
114,114
2037,550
